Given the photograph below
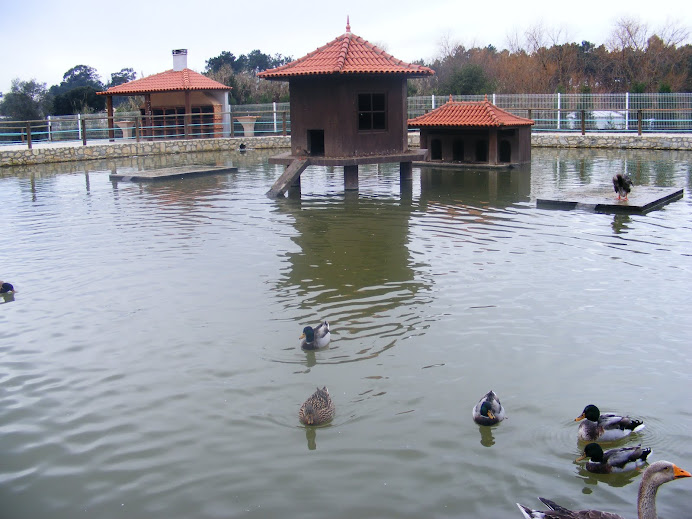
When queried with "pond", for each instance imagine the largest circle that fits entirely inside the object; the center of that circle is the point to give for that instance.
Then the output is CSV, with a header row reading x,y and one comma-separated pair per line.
x,y
150,364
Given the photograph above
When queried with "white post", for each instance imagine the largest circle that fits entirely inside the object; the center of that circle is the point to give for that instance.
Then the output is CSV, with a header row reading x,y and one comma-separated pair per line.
x,y
558,110
433,101
50,127
79,126
494,100
627,110
274,110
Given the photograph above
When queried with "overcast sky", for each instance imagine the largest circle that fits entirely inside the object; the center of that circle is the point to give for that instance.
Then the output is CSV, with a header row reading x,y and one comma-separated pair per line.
x,y
43,39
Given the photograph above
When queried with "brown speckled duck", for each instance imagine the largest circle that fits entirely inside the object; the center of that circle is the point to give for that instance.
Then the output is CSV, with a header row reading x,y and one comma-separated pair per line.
x,y
318,409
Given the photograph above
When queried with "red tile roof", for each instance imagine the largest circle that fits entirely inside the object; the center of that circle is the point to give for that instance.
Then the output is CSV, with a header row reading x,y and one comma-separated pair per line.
x,y
465,114
346,54
169,81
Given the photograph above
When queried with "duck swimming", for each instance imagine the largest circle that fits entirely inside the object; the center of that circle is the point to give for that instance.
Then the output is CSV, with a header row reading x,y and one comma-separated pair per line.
x,y
654,476
6,288
622,185
623,459
315,338
488,410
606,427
318,409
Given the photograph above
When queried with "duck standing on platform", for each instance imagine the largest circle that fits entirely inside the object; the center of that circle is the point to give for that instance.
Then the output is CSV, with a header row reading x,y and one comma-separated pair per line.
x,y
315,338
488,410
605,427
622,459
622,185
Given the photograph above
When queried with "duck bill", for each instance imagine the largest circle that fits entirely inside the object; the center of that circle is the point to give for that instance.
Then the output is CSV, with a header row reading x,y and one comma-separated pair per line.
x,y
580,417
580,458
680,473
302,336
491,415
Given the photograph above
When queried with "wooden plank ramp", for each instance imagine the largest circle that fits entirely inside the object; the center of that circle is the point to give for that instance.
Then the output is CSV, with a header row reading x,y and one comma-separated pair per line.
x,y
602,199
170,173
292,172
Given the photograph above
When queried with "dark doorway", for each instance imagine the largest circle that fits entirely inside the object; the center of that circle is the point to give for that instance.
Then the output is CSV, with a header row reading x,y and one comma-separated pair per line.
x,y
482,151
505,151
316,142
458,151
436,149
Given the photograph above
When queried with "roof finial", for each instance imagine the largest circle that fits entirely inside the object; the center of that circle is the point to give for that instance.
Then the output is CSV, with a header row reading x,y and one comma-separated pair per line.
x,y
348,24
486,98
450,98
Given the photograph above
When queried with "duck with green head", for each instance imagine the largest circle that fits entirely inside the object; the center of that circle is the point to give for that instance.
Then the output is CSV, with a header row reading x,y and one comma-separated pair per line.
x,y
488,410
315,338
622,459
605,427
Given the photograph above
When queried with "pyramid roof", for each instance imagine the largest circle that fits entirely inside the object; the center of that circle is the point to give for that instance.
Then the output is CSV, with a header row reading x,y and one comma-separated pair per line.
x,y
168,81
346,54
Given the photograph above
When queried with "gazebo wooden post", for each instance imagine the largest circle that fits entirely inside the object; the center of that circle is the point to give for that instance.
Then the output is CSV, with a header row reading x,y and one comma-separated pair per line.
x,y
492,146
188,112
111,123
147,114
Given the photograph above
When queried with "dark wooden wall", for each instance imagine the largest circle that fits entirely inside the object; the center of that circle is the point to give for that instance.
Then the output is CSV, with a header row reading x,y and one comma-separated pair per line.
x,y
330,104
519,139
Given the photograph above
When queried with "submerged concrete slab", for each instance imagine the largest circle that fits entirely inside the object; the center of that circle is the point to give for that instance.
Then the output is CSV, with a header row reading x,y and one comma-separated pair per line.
x,y
170,173
602,199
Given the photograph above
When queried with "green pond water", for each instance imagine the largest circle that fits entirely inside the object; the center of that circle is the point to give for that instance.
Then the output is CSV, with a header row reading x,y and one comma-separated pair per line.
x,y
150,367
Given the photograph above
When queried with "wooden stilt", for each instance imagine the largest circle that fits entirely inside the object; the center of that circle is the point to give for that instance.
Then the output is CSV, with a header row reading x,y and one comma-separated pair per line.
x,y
406,171
351,178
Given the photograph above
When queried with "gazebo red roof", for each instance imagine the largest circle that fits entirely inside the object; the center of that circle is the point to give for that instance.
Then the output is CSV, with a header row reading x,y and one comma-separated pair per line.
x,y
346,54
466,114
168,81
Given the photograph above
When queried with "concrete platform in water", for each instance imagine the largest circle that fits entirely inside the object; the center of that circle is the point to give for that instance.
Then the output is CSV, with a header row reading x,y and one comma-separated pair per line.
x,y
170,173
602,199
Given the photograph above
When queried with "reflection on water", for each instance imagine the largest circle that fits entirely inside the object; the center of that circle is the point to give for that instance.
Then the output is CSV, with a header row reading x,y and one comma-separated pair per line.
x,y
152,368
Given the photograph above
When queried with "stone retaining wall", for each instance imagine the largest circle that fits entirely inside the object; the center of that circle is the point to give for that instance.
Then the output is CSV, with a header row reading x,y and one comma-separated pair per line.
x,y
45,153
55,152
667,141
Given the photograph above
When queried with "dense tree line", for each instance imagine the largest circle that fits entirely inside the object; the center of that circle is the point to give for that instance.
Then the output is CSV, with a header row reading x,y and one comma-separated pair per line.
x,y
634,59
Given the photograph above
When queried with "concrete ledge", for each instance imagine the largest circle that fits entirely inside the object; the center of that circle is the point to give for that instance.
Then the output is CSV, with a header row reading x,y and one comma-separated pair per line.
x,y
602,199
170,173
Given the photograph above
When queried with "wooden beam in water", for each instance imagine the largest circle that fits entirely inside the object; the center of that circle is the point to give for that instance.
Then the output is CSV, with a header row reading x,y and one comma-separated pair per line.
x,y
288,177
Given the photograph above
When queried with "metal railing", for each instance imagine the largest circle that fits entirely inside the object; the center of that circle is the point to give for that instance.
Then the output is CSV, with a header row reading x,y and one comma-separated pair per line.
x,y
551,112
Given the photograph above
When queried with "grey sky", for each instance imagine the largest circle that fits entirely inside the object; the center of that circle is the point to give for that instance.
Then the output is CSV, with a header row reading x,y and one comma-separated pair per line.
x,y
48,38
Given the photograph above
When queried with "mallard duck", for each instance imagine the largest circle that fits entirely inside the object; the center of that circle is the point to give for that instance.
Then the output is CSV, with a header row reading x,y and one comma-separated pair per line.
x,y
488,410
605,427
6,288
318,409
623,459
622,185
315,338
654,476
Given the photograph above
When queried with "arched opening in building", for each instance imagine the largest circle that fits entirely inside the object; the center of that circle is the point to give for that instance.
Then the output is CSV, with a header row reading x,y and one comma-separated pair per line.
x,y
482,151
458,150
435,149
505,151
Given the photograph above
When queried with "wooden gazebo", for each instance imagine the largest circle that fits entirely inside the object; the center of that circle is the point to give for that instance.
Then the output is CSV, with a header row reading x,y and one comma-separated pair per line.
x,y
178,103
348,107
475,133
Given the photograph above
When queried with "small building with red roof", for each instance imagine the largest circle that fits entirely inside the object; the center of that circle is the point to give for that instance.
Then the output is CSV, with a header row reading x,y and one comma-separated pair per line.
x,y
169,95
348,104
474,133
